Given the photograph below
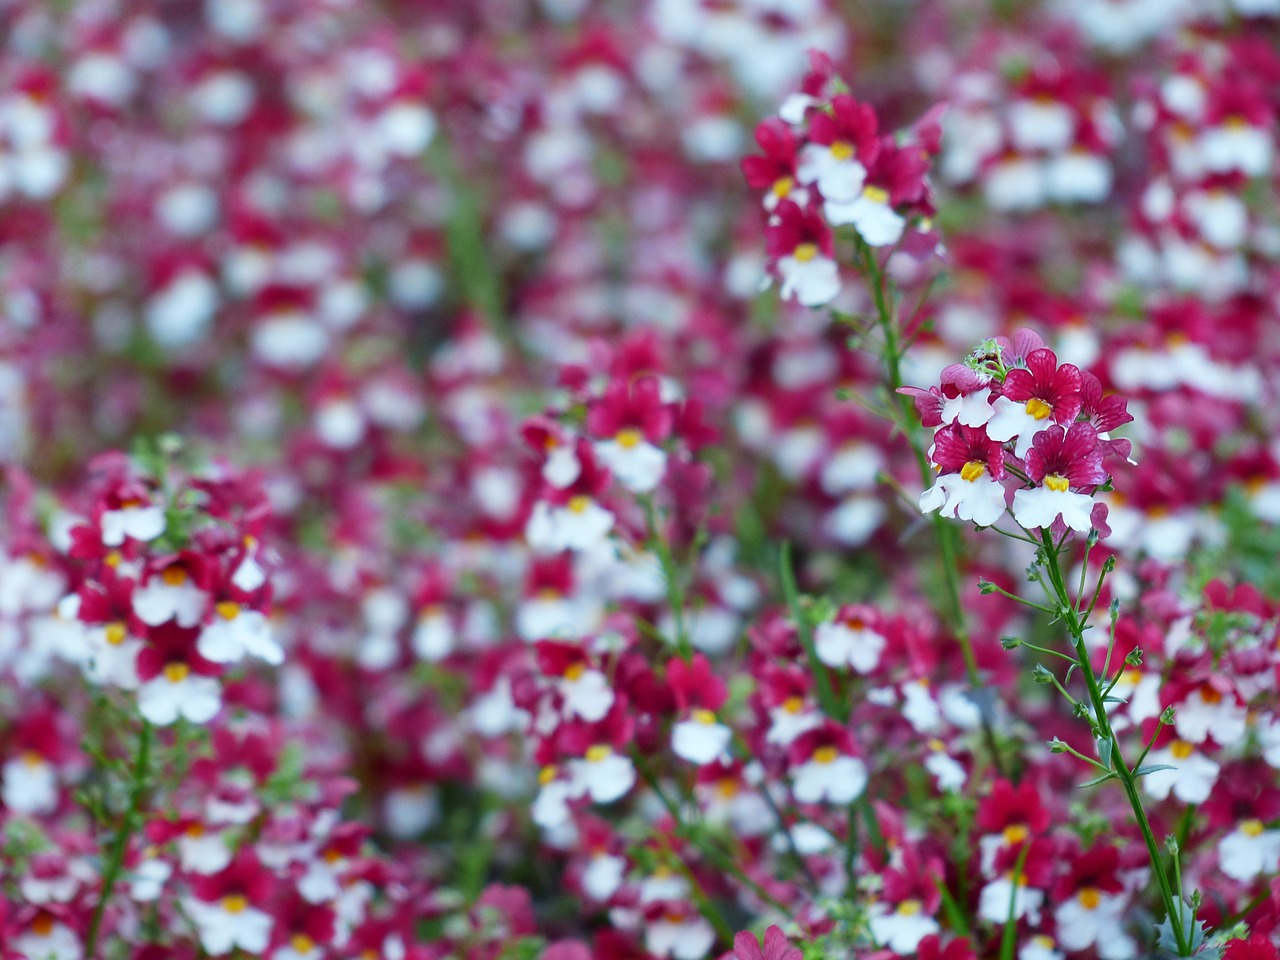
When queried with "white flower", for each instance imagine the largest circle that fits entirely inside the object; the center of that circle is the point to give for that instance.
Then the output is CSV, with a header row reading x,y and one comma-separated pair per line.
x,y
169,595
1192,778
562,466
551,806
854,466
1237,146
586,693
1092,918
229,923
700,739
1249,850
175,692
1078,176
30,784
1011,418
901,929
603,876
636,463
833,168
1041,506
972,494
871,214
1221,217
48,939
580,524
1038,124
949,772
919,706
808,276
433,635
203,851
681,938
603,775
236,632
1206,713
829,776
149,878
139,522
848,643
969,409
790,720
1002,897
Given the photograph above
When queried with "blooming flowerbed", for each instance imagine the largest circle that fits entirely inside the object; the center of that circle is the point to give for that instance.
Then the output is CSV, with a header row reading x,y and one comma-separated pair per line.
x,y
572,479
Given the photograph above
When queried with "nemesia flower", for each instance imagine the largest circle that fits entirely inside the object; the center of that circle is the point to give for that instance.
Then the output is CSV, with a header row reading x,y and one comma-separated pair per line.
x,y
971,466
1033,399
1059,460
802,247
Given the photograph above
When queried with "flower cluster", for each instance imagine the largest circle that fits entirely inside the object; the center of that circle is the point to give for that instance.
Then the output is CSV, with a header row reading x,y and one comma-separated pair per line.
x,y
827,166
1010,410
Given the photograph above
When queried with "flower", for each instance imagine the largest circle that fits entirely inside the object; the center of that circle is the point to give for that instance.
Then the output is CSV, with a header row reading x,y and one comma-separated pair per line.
x,y
1035,398
971,465
802,249
1058,461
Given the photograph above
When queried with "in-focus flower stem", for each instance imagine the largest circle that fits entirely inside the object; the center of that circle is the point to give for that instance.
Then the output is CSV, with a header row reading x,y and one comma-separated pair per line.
x,y
1075,626
138,783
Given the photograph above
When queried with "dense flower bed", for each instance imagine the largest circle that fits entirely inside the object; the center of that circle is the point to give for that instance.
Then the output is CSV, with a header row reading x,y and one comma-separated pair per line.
x,y
569,479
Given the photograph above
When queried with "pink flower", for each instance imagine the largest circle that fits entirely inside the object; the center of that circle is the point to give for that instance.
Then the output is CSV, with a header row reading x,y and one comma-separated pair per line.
x,y
746,946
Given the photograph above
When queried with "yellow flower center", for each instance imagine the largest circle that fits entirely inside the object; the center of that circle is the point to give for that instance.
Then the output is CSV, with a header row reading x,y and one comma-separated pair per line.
x,y
909,908
1056,481
825,755
176,672
235,903
1089,898
972,470
579,504
546,775
301,943
876,195
115,633
727,788
601,751
112,559
1210,695
1181,749
32,760
793,704
575,671
703,716
174,576
629,438
42,925
1251,828
805,252
842,150
1038,408
1016,833
228,609
782,186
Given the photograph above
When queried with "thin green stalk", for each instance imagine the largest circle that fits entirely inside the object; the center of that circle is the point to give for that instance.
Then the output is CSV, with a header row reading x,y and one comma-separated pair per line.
x,y
120,844
670,574
1102,723
944,532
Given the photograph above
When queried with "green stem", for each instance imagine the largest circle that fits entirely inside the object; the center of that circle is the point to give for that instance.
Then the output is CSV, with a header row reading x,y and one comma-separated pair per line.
x,y
671,576
120,844
944,531
1102,723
